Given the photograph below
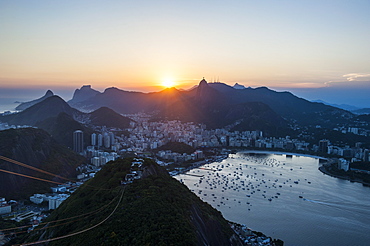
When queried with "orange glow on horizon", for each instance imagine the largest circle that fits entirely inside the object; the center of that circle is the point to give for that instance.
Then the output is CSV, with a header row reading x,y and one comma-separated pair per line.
x,y
168,83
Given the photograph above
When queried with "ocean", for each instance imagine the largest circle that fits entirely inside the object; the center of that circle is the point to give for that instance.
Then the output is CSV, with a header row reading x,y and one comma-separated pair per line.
x,y
9,97
9,104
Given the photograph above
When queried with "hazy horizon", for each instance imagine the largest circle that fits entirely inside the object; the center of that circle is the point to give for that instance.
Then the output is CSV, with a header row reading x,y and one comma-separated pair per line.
x,y
335,95
315,49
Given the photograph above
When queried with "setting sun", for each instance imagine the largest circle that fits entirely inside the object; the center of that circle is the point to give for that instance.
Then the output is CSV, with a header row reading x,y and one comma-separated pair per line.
x,y
168,83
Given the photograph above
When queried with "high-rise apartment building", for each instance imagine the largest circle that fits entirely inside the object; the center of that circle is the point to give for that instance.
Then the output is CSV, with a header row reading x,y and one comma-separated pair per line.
x,y
323,146
78,141
93,139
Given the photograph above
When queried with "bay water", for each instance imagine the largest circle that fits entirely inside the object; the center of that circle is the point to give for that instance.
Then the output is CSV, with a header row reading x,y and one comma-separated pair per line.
x,y
285,196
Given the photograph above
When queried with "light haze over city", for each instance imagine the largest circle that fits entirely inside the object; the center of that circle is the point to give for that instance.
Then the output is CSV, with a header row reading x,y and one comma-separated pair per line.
x,y
315,49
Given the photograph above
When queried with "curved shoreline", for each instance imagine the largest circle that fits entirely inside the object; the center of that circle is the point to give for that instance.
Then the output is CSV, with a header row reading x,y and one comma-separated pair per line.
x,y
282,153
327,172
322,168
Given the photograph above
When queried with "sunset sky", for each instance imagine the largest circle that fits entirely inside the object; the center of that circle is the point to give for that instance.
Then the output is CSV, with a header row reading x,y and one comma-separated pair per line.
x,y
316,49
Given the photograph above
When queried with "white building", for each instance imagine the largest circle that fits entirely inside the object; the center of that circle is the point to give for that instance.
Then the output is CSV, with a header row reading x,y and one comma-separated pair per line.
x,y
343,164
5,208
55,201
37,198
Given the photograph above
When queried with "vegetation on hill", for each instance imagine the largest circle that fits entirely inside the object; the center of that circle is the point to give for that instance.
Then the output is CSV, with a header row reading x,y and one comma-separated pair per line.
x,y
337,137
107,117
61,128
361,165
154,210
36,148
177,147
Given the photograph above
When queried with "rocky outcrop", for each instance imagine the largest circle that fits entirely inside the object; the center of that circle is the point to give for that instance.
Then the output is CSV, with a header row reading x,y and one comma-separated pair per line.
x,y
82,94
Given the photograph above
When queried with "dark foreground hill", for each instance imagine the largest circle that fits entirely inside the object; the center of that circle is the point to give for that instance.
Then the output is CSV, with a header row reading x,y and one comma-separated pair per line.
x,y
153,210
36,148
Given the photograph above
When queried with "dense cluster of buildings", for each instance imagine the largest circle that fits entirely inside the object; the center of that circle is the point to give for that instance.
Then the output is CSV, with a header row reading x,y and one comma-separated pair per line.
x,y
98,157
135,171
355,153
6,126
145,136
177,157
59,194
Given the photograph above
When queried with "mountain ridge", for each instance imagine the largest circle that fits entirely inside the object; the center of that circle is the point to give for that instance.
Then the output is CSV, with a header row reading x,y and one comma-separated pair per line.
x,y
50,107
26,105
36,148
60,120
210,96
82,94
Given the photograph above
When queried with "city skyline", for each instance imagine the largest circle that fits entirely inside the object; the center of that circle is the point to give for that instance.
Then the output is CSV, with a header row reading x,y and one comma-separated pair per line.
x,y
315,49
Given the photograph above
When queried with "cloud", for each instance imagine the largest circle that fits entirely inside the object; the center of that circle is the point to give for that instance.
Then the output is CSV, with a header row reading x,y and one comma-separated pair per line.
x,y
357,77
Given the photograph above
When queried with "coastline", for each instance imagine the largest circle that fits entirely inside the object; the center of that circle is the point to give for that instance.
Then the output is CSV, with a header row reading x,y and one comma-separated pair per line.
x,y
282,153
197,164
222,157
321,166
324,170
246,234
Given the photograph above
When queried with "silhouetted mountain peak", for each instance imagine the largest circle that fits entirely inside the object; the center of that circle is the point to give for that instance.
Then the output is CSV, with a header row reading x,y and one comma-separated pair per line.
x,y
238,86
26,105
105,116
50,107
54,101
82,94
263,88
49,93
207,96
203,83
112,89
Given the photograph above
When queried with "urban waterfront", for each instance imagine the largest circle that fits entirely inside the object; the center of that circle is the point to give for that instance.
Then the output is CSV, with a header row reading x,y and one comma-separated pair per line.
x,y
285,196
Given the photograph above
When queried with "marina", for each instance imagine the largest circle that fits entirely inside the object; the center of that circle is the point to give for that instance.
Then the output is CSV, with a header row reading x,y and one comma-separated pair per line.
x,y
285,196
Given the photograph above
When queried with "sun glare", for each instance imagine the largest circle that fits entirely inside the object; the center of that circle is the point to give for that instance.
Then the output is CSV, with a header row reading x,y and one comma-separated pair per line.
x,y
168,83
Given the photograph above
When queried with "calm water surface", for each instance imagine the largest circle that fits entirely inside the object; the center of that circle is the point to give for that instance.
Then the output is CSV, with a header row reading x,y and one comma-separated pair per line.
x,y
285,197
8,104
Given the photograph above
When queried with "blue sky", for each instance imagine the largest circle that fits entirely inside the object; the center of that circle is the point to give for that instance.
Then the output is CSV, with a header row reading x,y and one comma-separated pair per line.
x,y
317,49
